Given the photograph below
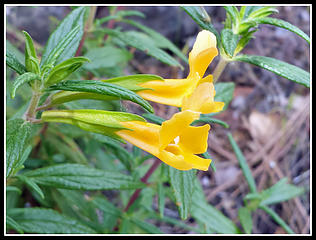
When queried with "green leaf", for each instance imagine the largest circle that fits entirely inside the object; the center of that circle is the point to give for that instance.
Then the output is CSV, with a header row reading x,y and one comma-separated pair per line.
x,y
78,205
278,219
182,184
14,63
123,155
30,183
161,199
280,192
243,164
137,40
75,19
42,220
224,92
131,81
24,78
110,212
159,39
63,45
81,177
11,224
147,227
31,60
246,10
233,12
207,119
13,189
98,87
245,38
64,69
17,136
198,15
283,24
106,57
208,215
153,118
229,41
245,218
278,67
262,12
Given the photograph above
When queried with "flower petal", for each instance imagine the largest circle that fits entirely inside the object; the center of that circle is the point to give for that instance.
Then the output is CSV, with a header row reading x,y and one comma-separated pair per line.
x,y
200,63
204,40
142,134
173,127
169,91
194,139
173,160
202,100
198,162
202,53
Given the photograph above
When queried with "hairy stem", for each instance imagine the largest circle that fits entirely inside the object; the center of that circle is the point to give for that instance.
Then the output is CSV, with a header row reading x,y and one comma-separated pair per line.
x,y
219,68
30,113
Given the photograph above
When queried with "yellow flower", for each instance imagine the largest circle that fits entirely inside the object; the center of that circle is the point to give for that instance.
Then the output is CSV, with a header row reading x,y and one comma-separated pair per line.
x,y
175,142
180,92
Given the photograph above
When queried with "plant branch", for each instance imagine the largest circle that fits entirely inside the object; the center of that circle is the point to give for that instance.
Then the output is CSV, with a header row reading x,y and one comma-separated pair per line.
x,y
87,27
144,179
219,68
30,113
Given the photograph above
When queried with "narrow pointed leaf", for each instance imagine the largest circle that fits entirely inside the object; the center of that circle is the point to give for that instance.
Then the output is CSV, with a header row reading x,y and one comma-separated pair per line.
x,y
160,40
30,183
103,88
280,192
229,41
136,40
14,63
64,69
82,177
243,164
11,224
283,24
182,184
73,19
199,17
64,44
245,218
278,67
208,215
46,221
262,12
145,226
224,93
17,136
24,78
31,60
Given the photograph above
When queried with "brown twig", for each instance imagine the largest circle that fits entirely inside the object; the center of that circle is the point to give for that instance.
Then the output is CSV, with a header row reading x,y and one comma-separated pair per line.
x,y
87,27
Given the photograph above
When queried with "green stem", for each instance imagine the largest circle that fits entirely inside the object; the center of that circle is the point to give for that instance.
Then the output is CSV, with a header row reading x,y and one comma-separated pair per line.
x,y
30,113
277,218
219,68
